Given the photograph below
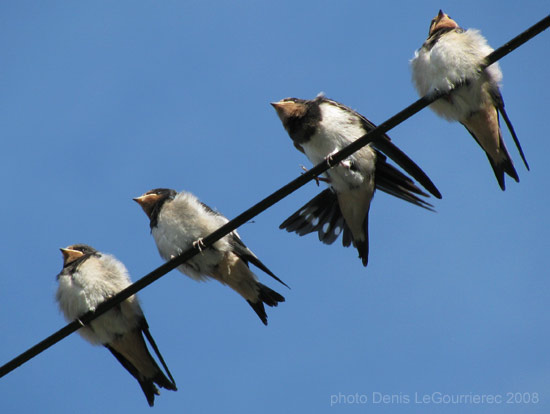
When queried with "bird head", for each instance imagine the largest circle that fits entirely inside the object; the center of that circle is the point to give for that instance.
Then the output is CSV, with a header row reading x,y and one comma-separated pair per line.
x,y
441,21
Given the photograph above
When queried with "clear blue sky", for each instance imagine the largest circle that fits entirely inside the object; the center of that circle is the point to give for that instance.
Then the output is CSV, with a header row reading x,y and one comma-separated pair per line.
x,y
101,101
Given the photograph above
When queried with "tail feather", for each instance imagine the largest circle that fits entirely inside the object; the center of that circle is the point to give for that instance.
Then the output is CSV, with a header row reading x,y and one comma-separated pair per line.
x,y
363,250
321,214
146,384
130,349
505,166
267,296
149,390
362,246
160,378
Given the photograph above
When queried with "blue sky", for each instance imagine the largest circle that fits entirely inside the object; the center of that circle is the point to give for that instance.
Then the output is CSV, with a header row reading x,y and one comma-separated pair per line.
x,y
102,101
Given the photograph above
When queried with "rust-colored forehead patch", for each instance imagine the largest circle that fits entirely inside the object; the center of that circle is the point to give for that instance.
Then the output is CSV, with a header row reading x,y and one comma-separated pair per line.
x,y
290,108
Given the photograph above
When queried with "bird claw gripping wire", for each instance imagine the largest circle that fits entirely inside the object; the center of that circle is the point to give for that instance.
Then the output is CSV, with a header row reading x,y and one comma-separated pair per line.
x,y
317,178
330,161
199,245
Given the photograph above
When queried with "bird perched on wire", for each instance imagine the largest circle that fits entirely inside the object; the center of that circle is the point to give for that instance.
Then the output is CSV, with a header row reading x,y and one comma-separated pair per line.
x,y
179,221
89,278
452,57
321,127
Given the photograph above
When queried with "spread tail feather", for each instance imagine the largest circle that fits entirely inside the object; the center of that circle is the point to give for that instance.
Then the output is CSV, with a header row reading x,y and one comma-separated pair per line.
x,y
321,214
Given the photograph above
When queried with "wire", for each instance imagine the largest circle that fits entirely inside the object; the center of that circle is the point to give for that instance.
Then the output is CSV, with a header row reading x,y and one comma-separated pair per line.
x,y
373,136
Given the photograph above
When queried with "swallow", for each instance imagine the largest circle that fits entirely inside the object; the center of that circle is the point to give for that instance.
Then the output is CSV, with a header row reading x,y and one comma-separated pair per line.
x,y
321,127
452,57
89,278
179,221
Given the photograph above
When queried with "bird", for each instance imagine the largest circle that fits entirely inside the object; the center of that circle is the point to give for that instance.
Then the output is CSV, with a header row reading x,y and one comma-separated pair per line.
x,y
89,278
321,127
179,221
452,57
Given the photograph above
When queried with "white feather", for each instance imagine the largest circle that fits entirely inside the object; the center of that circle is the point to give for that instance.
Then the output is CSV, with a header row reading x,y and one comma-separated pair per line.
x,y
183,221
96,280
454,59
337,129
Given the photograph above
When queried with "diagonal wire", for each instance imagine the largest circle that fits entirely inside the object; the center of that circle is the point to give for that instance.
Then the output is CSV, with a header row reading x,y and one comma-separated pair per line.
x,y
263,205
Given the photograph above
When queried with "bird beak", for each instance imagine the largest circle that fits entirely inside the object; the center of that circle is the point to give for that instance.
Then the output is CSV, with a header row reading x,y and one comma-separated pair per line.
x,y
442,21
147,202
287,109
70,255
280,108
276,105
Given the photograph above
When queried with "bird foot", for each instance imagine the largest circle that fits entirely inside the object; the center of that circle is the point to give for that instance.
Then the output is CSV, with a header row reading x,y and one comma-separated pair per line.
x,y
199,244
330,161
317,178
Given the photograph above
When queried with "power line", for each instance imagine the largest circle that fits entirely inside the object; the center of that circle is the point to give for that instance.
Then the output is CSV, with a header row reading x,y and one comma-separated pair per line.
x,y
374,136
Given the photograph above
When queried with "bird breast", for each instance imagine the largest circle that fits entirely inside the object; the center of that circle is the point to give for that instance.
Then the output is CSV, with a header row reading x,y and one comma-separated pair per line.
x,y
455,59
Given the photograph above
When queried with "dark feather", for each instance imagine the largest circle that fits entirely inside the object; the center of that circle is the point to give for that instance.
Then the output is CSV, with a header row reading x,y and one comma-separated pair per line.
x,y
385,145
506,166
210,209
267,296
363,248
499,103
321,214
240,249
392,181
160,379
166,195
146,384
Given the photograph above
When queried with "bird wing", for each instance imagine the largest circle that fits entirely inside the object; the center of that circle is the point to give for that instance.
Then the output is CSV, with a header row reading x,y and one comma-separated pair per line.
x,y
392,181
243,252
499,103
385,145
145,329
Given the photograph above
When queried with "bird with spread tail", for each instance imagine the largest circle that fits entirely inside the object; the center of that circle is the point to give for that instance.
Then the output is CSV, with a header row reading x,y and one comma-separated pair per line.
x,y
452,57
321,127
88,279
